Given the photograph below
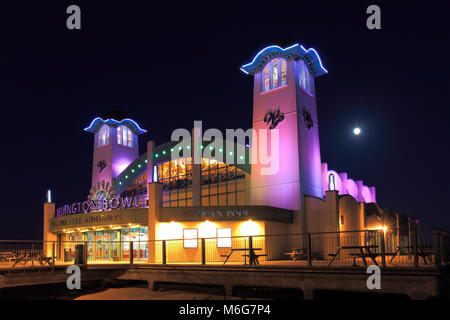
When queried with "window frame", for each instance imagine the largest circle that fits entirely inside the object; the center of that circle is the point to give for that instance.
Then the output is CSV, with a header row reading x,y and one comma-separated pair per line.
x,y
267,79
100,134
124,136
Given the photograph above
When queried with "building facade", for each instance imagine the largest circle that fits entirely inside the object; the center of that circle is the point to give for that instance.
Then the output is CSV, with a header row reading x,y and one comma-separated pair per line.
x,y
163,194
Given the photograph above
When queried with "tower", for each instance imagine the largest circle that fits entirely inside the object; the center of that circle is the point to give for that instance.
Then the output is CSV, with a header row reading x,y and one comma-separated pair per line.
x,y
115,147
284,99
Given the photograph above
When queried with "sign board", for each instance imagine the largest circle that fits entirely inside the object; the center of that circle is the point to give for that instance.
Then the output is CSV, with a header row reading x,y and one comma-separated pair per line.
x,y
225,213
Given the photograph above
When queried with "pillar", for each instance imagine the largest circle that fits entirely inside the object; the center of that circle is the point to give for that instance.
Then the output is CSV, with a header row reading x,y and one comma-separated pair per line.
x,y
154,205
49,213
196,155
150,148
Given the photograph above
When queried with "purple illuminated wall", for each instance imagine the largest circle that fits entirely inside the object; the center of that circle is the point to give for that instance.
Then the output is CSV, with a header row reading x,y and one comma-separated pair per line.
x,y
299,151
116,156
345,185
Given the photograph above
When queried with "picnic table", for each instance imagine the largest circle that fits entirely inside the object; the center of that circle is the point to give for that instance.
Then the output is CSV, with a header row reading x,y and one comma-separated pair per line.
x,y
296,254
422,251
253,258
28,256
7,256
364,252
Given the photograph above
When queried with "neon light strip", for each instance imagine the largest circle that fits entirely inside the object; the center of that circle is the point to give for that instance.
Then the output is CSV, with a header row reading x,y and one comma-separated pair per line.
x,y
318,57
115,122
309,51
273,46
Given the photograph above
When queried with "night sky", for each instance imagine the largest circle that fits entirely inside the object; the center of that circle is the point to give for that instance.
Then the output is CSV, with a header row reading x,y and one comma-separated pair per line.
x,y
168,66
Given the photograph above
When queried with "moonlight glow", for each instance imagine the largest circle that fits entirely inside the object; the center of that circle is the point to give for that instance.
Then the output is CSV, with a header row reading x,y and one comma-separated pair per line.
x,y
356,131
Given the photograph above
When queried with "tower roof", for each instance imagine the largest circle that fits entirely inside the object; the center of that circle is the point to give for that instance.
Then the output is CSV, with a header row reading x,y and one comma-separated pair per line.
x,y
98,122
296,51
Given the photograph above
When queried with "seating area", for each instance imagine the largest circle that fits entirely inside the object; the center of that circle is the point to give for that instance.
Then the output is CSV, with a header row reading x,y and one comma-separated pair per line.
x,y
24,258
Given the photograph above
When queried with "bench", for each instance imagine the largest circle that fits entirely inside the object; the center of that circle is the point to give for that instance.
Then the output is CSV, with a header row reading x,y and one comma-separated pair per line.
x,y
296,254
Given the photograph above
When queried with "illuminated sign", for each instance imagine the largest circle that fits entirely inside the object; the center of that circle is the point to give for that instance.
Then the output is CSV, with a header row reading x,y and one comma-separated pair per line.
x,y
98,205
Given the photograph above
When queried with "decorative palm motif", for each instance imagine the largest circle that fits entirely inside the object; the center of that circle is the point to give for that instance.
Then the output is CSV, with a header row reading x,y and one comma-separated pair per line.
x,y
101,191
308,119
101,165
273,117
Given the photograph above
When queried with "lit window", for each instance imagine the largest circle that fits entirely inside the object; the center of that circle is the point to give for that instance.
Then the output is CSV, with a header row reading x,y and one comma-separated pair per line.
x,y
331,182
304,77
130,137
103,135
190,238
124,136
224,238
266,78
274,74
283,72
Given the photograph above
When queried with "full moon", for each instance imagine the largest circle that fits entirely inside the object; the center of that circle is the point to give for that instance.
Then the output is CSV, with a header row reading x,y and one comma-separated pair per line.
x,y
356,131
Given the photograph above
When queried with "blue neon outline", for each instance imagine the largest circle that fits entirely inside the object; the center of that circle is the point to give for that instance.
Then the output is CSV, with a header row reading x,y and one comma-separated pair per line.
x,y
115,122
318,57
311,52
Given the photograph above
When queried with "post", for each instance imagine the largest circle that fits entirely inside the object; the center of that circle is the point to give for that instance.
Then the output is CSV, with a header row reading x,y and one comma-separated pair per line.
x,y
436,247
383,249
414,240
203,251
53,254
250,250
442,247
196,156
85,252
131,252
309,251
164,258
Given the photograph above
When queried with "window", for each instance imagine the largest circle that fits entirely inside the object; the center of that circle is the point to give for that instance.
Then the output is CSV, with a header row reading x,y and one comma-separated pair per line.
x,y
224,238
190,238
274,74
266,83
304,77
103,135
331,182
124,136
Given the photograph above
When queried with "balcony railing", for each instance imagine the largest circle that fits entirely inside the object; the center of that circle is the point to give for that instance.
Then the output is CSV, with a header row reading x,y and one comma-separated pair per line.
x,y
420,248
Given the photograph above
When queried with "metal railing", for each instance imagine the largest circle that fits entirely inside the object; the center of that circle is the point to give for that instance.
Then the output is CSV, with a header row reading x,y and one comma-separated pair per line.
x,y
418,248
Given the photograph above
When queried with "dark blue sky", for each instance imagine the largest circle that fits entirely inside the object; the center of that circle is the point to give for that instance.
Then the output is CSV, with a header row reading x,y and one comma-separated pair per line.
x,y
168,66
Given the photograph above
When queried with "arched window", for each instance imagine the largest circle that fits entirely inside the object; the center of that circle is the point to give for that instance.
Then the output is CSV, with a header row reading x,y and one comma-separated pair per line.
x,y
331,182
304,77
274,74
103,135
124,136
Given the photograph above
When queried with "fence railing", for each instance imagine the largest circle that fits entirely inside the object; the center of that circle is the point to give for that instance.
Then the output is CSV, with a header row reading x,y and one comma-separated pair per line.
x,y
418,248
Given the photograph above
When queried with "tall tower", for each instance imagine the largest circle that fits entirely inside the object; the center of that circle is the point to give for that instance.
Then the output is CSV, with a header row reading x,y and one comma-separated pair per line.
x,y
284,99
115,147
